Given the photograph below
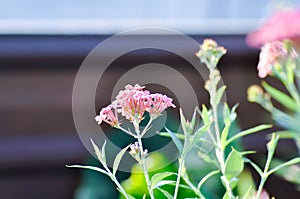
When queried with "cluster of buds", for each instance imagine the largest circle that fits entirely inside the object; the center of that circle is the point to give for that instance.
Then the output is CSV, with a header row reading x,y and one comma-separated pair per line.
x,y
274,54
132,103
210,53
136,153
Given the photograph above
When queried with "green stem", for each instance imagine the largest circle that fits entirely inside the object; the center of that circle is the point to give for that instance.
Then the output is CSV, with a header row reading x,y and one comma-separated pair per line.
x,y
142,161
119,186
220,150
193,187
144,167
265,174
261,185
181,163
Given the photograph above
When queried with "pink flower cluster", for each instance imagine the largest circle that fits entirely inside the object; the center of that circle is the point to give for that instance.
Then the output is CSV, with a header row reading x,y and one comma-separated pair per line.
x,y
272,53
282,25
132,103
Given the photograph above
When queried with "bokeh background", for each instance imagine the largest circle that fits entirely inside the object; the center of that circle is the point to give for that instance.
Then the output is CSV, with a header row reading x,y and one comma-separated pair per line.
x,y
42,45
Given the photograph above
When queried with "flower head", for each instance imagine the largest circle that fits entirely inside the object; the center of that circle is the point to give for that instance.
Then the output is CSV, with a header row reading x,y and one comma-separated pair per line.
x,y
132,102
158,103
109,115
273,53
210,53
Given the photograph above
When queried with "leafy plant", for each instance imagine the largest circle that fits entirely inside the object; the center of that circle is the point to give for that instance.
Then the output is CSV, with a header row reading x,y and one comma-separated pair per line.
x,y
206,127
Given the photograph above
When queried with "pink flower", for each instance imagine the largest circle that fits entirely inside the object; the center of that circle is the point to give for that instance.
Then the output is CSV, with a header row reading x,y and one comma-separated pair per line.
x,y
270,54
132,102
158,103
282,25
273,53
107,115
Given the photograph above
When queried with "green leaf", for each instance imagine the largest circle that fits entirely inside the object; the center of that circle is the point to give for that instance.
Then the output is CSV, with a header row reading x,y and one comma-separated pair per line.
x,y
89,167
234,164
100,154
183,123
159,177
167,194
281,97
118,159
224,135
204,114
166,134
176,141
226,196
286,164
247,132
248,194
196,137
206,177
219,94
164,182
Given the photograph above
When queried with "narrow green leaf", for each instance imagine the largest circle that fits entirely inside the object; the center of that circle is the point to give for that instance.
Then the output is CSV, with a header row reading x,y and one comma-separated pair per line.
x,y
166,134
164,182
196,137
206,177
219,94
281,97
183,123
247,132
224,135
103,151
118,159
286,164
226,196
100,155
193,121
176,141
234,164
204,114
89,167
205,157
159,177
167,194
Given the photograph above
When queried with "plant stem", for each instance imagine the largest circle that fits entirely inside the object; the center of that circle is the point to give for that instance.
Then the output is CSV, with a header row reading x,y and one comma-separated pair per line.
x,y
144,167
261,185
181,163
264,175
119,186
220,150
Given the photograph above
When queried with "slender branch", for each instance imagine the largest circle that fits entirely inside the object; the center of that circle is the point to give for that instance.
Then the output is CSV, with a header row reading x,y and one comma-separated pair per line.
x,y
181,163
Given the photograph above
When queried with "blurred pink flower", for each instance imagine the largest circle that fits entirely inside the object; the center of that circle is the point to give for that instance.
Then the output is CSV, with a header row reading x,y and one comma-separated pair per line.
x,y
107,115
158,103
271,54
282,25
